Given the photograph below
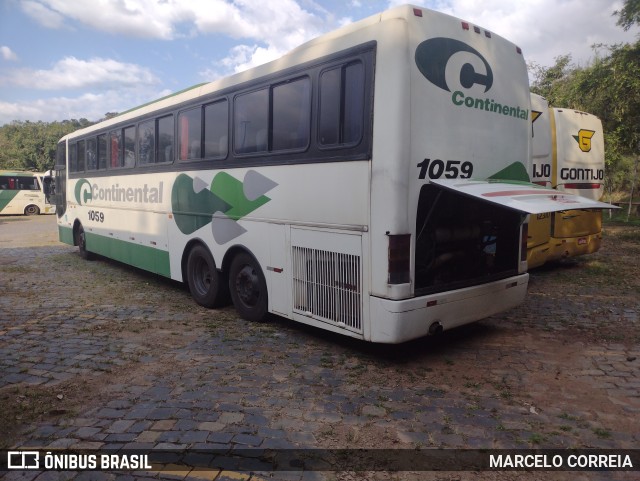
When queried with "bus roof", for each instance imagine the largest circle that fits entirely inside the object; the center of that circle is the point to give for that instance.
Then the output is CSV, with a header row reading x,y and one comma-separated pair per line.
x,y
303,53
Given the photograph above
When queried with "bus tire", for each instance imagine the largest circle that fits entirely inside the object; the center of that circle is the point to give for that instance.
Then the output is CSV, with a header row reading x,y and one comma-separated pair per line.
x,y
203,277
248,288
31,210
81,242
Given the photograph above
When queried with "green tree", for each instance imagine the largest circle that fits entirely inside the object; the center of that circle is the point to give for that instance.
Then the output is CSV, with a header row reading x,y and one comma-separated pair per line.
x,y
629,15
549,80
32,145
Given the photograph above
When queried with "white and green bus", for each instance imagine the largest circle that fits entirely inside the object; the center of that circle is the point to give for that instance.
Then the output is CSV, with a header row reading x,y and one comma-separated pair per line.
x,y
373,182
23,192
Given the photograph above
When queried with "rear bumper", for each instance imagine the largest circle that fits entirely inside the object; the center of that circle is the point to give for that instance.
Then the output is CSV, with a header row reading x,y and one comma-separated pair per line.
x,y
538,255
574,246
399,321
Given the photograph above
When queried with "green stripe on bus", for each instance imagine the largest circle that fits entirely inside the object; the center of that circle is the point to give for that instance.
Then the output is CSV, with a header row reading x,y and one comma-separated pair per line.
x,y
6,196
143,257
65,234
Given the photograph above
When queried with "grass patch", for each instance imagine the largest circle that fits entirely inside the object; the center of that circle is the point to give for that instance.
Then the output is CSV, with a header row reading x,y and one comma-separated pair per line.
x,y
602,433
536,438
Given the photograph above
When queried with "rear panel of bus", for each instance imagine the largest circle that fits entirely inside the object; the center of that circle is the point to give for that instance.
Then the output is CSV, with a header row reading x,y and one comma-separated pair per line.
x,y
451,103
579,169
468,119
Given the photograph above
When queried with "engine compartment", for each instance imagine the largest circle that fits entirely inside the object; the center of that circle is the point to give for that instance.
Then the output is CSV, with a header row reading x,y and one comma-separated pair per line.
x,y
462,241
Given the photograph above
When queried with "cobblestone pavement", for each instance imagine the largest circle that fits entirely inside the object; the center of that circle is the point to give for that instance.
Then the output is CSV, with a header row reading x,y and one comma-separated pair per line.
x,y
97,355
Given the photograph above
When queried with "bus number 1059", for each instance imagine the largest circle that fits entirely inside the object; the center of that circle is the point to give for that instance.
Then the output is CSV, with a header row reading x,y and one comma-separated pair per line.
x,y
452,169
96,216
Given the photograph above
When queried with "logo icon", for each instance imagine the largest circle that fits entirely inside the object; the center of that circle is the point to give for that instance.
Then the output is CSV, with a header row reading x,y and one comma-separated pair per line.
x,y
224,202
534,115
83,195
584,139
23,460
434,55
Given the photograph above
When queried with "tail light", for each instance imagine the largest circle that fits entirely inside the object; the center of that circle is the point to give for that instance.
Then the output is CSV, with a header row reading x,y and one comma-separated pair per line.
x,y
582,186
399,258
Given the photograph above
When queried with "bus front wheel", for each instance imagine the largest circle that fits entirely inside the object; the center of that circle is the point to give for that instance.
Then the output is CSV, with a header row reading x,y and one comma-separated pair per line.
x,y
81,242
203,278
31,210
248,288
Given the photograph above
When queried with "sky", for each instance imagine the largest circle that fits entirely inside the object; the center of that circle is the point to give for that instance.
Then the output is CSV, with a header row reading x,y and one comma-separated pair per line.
x,y
73,59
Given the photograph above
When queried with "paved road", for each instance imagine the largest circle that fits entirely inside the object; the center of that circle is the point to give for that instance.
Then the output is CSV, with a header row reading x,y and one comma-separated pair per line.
x,y
97,355
27,231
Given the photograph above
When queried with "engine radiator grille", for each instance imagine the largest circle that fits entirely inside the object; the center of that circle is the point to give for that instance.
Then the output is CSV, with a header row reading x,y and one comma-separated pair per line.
x,y
327,285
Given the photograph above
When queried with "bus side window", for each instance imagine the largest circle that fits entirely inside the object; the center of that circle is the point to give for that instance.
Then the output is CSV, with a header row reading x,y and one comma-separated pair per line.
x,y
147,142
251,122
73,157
291,114
129,146
116,153
353,103
92,163
102,151
341,105
165,139
81,155
190,134
216,124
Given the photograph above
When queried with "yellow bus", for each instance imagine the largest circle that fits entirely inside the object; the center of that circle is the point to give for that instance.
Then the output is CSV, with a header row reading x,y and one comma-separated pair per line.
x,y
568,155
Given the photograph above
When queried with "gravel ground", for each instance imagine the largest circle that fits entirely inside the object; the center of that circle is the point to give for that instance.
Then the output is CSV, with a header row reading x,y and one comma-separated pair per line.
x,y
97,355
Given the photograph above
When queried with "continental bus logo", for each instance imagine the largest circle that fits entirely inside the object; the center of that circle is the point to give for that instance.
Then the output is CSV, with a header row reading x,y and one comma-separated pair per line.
x,y
85,193
433,57
226,200
584,139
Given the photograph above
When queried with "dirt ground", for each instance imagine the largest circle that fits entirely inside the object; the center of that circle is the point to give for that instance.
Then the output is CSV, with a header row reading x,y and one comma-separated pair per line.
x,y
560,371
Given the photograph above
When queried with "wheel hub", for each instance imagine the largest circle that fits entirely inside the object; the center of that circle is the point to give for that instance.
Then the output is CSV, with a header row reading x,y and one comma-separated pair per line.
x,y
247,286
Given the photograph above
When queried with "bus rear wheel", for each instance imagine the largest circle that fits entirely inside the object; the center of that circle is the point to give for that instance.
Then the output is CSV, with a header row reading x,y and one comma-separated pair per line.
x,y
248,288
31,210
203,278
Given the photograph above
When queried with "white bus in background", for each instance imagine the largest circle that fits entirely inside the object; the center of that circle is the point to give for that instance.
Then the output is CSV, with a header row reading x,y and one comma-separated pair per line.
x,y
568,155
23,192
372,182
